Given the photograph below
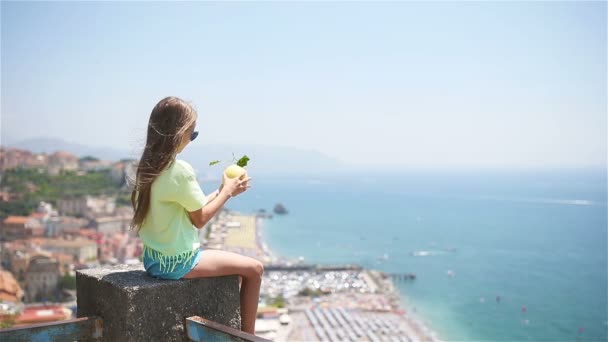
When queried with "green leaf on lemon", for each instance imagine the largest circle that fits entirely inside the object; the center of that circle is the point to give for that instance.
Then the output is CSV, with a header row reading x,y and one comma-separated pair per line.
x,y
243,161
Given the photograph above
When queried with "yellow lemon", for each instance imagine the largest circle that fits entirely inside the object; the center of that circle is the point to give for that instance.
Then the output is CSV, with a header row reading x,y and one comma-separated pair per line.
x,y
234,170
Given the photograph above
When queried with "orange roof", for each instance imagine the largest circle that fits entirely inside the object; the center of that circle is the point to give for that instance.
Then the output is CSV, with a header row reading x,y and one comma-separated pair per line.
x,y
64,154
87,232
36,240
62,257
9,288
41,314
38,215
16,219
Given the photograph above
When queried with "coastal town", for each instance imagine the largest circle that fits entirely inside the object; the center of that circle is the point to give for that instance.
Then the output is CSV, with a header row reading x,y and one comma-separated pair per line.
x,y
51,228
58,213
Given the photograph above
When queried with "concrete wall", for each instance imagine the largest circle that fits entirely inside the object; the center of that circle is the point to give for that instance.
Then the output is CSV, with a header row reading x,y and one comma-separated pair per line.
x,y
137,307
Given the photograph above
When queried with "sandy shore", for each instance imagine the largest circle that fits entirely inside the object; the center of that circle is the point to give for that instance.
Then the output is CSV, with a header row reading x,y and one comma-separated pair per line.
x,y
244,234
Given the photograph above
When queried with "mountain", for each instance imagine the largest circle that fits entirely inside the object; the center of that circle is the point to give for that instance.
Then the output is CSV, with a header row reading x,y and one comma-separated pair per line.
x,y
264,159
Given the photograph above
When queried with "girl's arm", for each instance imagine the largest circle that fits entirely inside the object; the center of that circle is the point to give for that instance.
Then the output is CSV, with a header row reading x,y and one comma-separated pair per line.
x,y
213,196
203,215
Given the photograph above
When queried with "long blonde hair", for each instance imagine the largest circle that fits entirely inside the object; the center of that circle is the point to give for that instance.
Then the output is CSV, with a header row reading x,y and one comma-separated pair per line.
x,y
169,122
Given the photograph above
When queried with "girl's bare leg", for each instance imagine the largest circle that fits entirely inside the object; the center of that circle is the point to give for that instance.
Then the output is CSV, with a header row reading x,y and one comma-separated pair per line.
x,y
214,263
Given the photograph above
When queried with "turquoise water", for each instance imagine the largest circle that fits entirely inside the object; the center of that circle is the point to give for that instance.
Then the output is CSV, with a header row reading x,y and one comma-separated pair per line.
x,y
536,240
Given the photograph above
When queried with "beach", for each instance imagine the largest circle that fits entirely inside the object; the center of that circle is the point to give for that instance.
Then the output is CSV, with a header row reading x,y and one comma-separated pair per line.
x,y
322,302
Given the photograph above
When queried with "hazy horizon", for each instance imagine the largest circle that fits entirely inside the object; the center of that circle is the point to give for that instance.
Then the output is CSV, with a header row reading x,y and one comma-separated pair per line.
x,y
328,166
458,85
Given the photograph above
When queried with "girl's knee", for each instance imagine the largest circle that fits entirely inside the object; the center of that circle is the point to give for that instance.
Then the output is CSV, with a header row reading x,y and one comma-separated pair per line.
x,y
255,269
259,268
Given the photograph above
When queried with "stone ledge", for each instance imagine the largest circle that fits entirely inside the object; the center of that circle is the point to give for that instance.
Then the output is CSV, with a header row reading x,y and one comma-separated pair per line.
x,y
135,306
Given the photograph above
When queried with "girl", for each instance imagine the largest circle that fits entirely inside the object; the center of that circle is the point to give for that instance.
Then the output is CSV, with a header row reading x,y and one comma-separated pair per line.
x,y
170,207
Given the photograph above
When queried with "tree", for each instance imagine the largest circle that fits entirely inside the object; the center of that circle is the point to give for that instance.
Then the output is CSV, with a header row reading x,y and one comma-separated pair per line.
x,y
68,282
88,158
278,301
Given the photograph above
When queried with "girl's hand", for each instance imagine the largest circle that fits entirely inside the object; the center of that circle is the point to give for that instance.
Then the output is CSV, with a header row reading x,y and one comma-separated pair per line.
x,y
235,186
242,189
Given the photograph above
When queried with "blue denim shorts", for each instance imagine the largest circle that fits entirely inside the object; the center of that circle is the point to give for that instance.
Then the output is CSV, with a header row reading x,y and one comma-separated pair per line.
x,y
176,270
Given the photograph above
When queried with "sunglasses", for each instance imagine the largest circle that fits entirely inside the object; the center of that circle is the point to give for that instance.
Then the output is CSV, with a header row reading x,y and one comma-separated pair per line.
x,y
193,135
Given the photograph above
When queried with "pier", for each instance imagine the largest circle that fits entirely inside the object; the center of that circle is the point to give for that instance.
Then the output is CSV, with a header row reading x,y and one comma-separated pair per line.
x,y
403,276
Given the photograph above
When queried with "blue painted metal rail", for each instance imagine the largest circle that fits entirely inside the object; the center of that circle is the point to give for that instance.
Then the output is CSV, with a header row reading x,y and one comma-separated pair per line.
x,y
91,329
79,329
200,329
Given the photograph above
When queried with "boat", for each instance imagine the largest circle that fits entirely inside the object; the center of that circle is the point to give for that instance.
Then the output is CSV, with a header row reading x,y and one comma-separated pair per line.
x,y
421,253
280,209
263,214
383,257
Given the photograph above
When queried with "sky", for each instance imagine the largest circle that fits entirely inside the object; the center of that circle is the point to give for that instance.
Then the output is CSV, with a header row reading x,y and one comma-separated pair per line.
x,y
393,84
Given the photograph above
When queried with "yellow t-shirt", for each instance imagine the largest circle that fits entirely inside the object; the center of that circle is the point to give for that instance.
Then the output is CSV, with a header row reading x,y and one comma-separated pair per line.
x,y
167,228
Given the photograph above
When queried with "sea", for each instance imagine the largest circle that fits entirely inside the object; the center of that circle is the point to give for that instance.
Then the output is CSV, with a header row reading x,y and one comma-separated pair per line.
x,y
514,255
